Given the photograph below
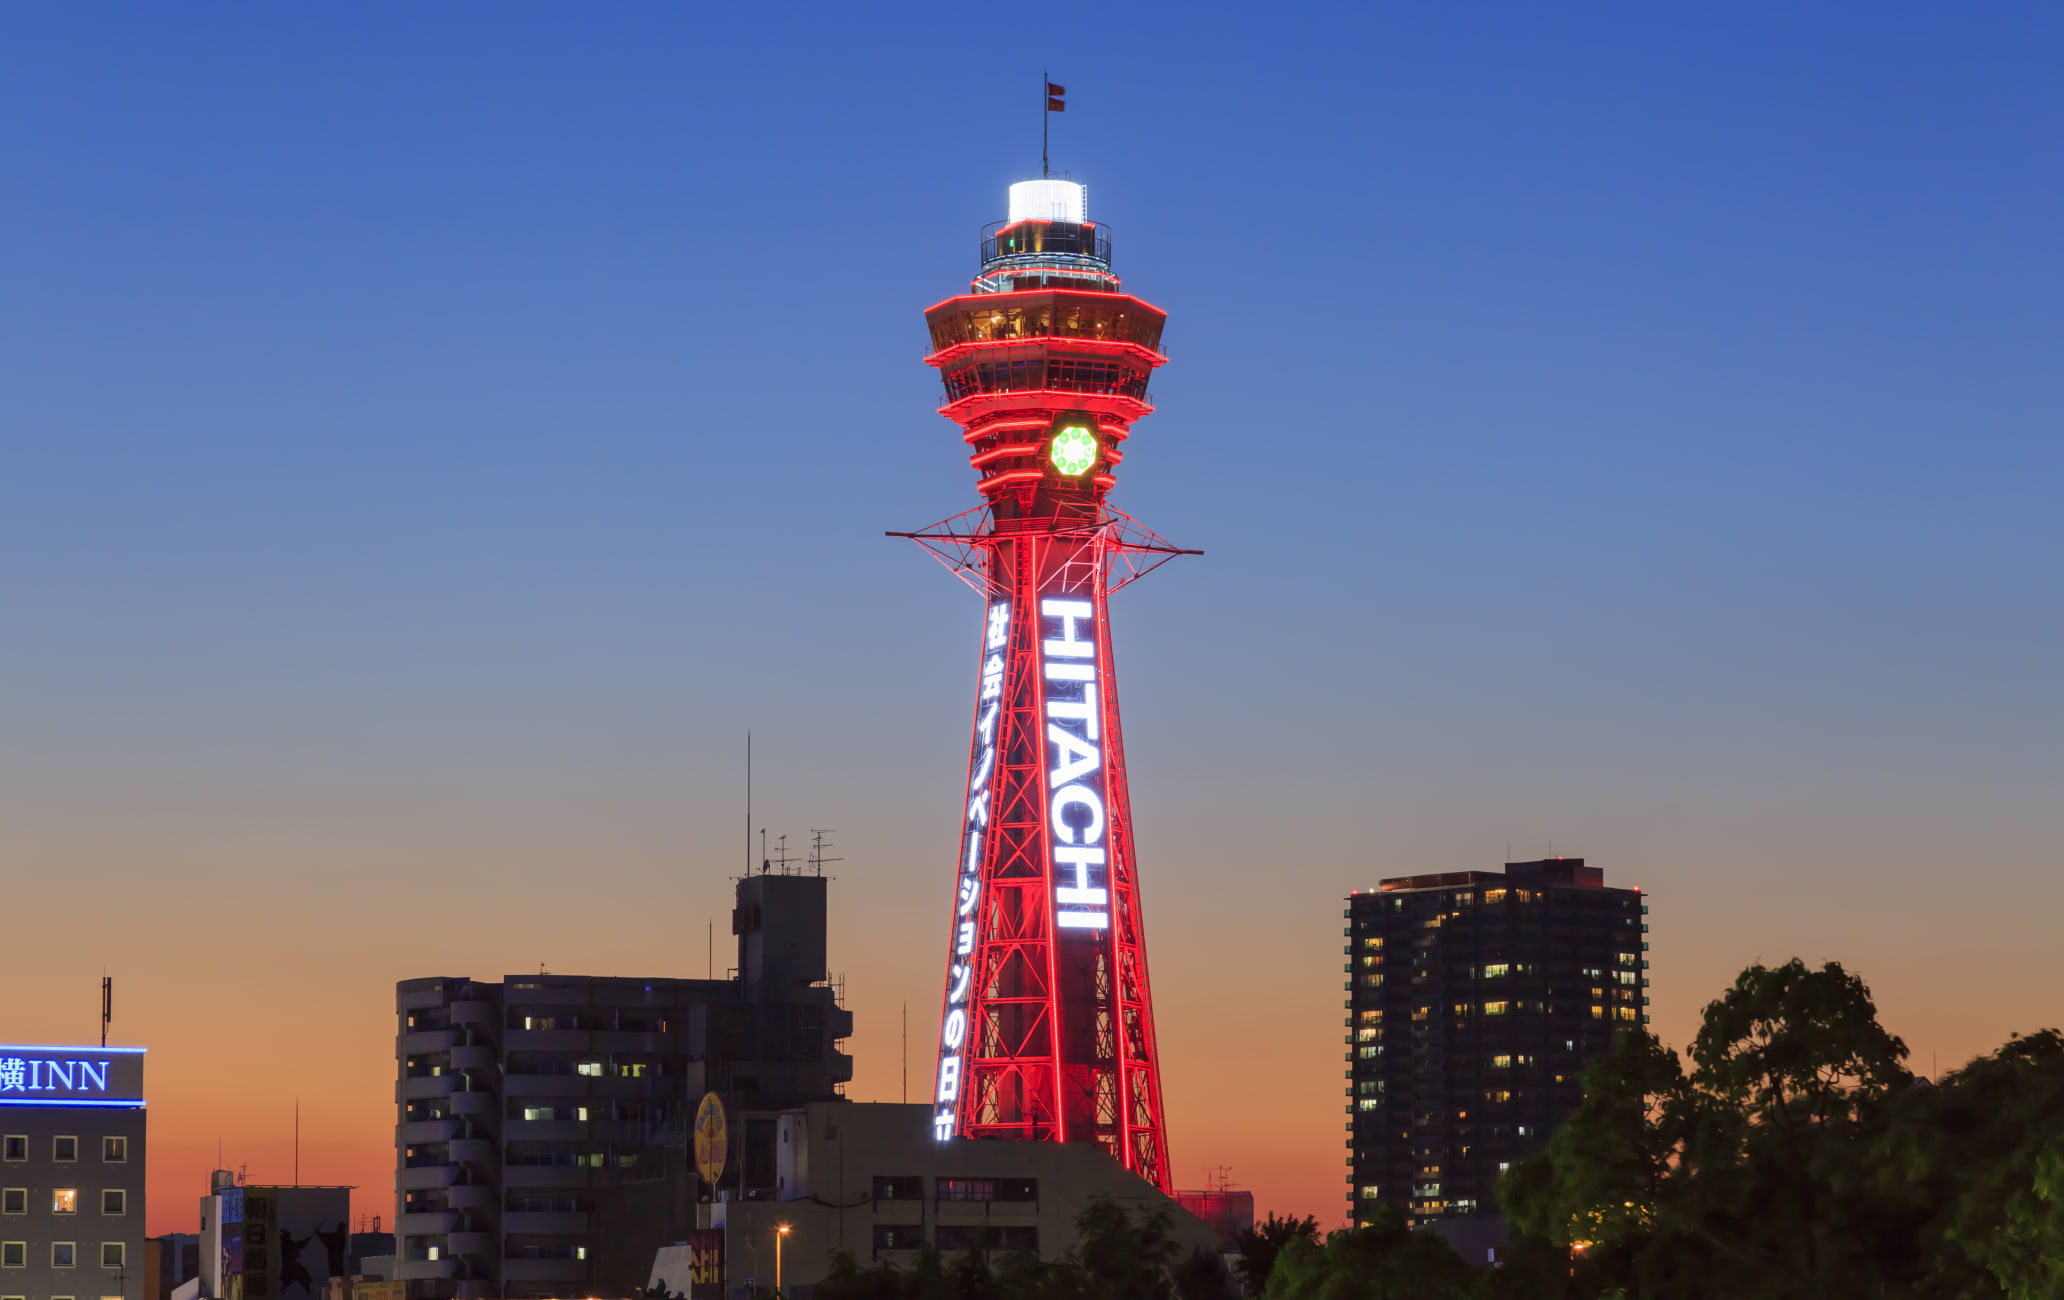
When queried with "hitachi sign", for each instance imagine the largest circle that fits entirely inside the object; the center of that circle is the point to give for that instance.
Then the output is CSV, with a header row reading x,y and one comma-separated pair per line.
x,y
57,1076
1075,817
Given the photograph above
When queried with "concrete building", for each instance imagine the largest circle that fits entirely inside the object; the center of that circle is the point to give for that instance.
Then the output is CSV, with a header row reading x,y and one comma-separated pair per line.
x,y
1474,1001
266,1242
71,1173
518,1102
169,1261
871,1178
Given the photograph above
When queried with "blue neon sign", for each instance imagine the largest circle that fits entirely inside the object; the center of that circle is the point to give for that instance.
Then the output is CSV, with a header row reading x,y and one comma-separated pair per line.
x,y
71,1076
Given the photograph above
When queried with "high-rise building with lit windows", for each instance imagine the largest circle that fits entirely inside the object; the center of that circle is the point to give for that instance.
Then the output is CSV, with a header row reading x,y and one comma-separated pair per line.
x,y
1474,1001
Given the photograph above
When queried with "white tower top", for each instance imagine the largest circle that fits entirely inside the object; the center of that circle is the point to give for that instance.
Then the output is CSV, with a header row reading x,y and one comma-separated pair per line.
x,y
1049,200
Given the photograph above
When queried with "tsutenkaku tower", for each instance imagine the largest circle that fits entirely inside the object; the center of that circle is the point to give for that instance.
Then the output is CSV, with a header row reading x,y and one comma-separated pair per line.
x,y
1047,1026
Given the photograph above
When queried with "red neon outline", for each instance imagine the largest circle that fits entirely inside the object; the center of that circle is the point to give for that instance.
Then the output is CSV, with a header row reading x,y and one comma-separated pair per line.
x,y
1081,402
1042,556
1025,293
1050,343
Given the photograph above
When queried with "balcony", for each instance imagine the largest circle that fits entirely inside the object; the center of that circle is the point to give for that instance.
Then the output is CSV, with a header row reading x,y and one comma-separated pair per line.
x,y
558,1222
423,1042
515,1176
422,1269
419,1131
1046,241
474,1151
425,1223
423,1178
474,1196
478,1245
545,1130
474,1058
544,1270
473,1013
424,1086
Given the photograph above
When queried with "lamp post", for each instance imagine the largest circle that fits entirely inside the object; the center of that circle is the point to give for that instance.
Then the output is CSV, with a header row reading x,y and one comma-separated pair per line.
x,y
780,1234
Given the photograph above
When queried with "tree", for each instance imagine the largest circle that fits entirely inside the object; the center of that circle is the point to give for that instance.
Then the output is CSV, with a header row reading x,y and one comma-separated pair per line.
x,y
1747,1176
1384,1261
1260,1246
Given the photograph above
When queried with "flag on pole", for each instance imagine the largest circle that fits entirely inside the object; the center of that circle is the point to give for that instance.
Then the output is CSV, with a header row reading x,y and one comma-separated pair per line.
x,y
1055,101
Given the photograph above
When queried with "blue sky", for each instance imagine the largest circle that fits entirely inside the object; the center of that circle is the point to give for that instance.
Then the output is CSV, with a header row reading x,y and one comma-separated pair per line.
x,y
430,437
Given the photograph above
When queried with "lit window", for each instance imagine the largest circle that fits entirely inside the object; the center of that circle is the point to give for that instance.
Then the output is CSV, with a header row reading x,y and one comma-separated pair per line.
x,y
1462,1008
114,1150
1626,976
1372,1017
1372,981
1368,1053
1501,1063
1625,1013
431,1253
1494,896
113,1200
14,1200
1369,1103
1367,1035
1498,1095
1372,943
581,1113
65,1149
64,1200
1369,1192
64,1254
1496,1008
113,1254
1495,970
593,1069
580,1252
1598,1013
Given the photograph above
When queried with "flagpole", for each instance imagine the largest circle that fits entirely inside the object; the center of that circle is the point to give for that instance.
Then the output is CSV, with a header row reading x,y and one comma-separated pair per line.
x,y
1045,112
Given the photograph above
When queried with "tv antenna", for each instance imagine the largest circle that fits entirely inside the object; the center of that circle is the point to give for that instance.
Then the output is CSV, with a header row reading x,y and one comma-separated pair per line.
x,y
820,841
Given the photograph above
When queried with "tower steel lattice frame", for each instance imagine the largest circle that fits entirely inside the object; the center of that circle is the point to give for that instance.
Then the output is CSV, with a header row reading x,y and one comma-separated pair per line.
x,y
1047,1021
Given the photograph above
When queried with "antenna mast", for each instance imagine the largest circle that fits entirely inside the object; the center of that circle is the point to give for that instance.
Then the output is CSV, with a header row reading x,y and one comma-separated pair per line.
x,y
107,1005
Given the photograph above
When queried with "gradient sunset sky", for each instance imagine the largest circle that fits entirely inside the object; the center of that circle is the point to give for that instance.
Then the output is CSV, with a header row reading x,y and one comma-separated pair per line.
x,y
431,436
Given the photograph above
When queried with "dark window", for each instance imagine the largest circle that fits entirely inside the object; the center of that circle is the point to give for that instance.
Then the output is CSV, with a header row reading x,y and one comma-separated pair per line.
x,y
899,1189
899,1236
954,1237
988,1189
17,1147
64,1148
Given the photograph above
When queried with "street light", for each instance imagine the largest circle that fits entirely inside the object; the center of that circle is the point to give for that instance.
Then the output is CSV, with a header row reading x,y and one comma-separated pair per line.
x,y
779,1233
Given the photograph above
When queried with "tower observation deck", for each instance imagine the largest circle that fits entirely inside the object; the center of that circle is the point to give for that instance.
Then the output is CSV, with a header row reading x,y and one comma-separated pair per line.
x,y
1047,1024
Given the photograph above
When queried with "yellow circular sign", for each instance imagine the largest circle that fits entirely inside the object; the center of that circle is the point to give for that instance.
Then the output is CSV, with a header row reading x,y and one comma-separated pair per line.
x,y
711,1140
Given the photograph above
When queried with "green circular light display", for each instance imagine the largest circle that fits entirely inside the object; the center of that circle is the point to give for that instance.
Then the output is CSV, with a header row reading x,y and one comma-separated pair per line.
x,y
1074,450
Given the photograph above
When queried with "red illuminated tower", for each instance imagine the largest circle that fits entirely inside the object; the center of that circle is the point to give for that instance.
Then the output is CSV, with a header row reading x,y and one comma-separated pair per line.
x,y
1047,1027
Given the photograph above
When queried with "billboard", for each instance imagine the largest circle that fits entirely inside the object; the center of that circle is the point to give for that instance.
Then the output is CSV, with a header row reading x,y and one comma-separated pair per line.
x,y
290,1241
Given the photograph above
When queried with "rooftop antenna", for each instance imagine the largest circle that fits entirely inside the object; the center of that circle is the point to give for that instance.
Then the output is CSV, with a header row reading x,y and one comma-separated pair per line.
x,y
297,1141
781,858
818,843
906,1052
763,851
748,803
107,1005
